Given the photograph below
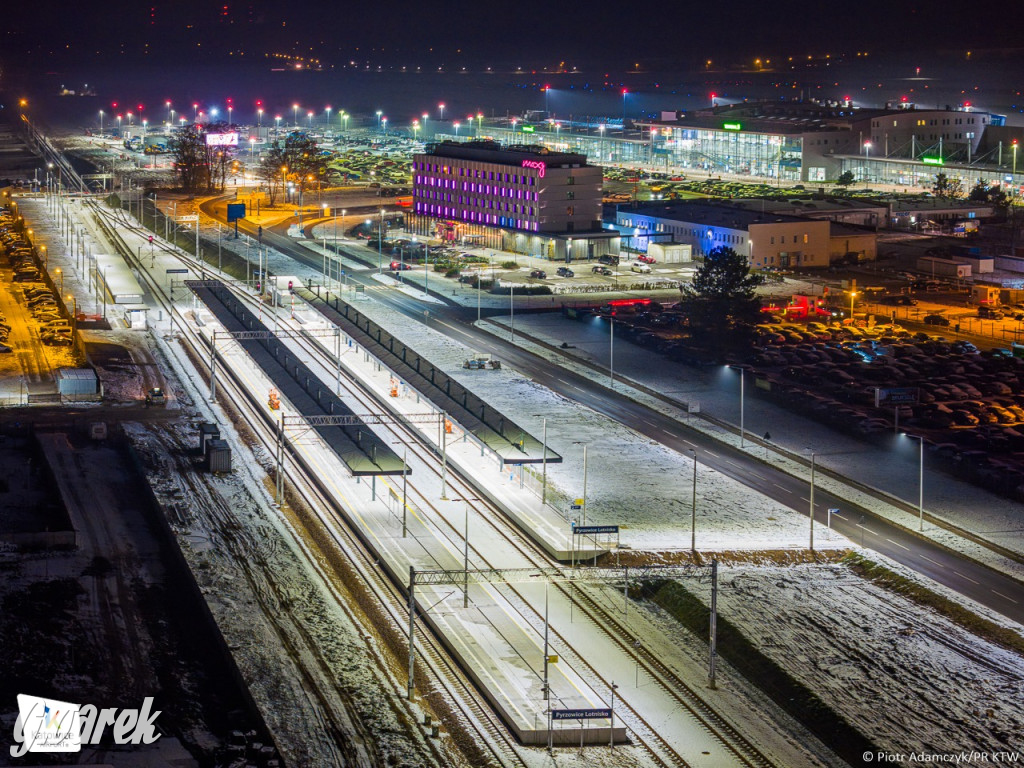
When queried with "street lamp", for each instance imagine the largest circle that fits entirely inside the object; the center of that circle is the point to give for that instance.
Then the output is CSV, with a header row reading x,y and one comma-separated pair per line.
x,y
328,111
309,117
1014,157
379,113
101,123
345,116
693,506
295,115
61,273
440,108
920,481
277,123
479,122
384,123
853,295
600,151
456,125
74,314
813,456
624,92
743,379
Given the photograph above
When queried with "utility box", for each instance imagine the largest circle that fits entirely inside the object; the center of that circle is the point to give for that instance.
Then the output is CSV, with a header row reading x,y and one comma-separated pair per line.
x,y
207,433
98,430
218,456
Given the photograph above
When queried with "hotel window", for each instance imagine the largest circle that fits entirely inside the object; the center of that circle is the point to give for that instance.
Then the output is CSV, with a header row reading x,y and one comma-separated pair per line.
x,y
805,238
570,210
570,195
570,180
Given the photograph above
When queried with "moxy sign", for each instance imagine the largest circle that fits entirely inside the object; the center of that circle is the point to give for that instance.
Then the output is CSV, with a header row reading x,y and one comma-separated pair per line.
x,y
538,164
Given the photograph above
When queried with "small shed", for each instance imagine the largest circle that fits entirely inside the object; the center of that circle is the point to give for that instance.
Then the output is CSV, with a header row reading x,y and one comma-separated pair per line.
x,y
207,433
76,381
218,454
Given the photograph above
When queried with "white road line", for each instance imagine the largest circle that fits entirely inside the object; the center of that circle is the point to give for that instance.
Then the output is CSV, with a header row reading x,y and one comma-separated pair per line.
x,y
925,557
759,477
711,453
1004,596
864,528
730,461
781,488
841,517
898,544
689,443
650,423
966,577
670,434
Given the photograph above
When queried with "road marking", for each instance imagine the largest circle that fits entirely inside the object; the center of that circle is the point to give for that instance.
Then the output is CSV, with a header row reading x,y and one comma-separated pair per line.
x,y
759,477
730,461
925,557
670,434
711,453
1004,597
898,544
865,528
563,381
689,443
650,423
781,488
966,577
841,517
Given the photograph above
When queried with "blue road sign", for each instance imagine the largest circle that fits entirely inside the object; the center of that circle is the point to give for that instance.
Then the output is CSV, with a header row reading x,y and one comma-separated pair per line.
x,y
236,211
581,714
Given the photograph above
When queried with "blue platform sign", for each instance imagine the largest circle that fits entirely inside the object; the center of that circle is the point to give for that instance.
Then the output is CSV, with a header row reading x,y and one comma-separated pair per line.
x,y
236,211
581,714
581,530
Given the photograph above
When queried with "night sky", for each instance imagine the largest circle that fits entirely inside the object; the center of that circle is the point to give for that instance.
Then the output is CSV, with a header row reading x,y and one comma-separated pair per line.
x,y
524,32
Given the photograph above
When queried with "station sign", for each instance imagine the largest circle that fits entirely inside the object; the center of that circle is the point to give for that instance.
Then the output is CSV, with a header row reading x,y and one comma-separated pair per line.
x,y
589,530
581,714
177,271
732,126
932,160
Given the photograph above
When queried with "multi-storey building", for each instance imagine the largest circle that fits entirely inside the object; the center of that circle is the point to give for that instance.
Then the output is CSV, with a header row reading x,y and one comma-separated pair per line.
x,y
520,198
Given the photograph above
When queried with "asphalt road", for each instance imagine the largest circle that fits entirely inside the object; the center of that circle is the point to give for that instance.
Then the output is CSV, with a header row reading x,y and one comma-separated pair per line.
x,y
978,582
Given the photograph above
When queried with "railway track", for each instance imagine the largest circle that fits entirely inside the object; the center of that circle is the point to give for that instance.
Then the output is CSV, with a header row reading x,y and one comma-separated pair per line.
x,y
476,713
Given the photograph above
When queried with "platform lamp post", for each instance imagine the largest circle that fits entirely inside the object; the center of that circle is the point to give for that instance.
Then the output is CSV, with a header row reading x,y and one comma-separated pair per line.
x,y
544,459
101,123
456,125
295,115
60,272
379,113
327,109
440,109
74,313
465,551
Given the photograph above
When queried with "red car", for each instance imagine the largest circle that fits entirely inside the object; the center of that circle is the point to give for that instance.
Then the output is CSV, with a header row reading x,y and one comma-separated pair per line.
x,y
646,259
397,265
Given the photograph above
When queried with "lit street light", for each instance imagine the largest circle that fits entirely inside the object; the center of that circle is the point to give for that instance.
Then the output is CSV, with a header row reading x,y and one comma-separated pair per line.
x,y
379,113
920,481
693,507
456,125
61,273
813,456
440,108
295,115
742,403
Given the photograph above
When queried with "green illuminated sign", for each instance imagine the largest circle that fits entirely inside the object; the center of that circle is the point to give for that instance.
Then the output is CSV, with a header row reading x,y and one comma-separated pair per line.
x,y
932,160
527,129
732,126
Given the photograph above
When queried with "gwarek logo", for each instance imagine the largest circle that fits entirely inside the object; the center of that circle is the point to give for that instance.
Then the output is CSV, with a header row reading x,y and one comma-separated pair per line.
x,y
47,725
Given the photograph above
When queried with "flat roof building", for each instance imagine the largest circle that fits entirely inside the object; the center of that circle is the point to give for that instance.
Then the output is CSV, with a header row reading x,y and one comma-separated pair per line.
x,y
769,240
521,198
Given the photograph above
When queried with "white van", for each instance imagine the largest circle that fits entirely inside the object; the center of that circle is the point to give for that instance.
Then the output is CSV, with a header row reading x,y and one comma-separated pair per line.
x,y
639,266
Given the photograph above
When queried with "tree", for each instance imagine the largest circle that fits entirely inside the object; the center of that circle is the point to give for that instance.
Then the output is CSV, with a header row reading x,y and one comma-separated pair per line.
x,y
845,179
947,188
994,195
305,163
269,171
200,166
188,147
721,302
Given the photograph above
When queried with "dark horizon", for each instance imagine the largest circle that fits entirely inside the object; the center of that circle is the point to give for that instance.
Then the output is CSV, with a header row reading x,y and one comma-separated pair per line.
x,y
529,35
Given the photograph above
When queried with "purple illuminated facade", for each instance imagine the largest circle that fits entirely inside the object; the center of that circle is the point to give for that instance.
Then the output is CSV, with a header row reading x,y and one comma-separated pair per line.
x,y
474,186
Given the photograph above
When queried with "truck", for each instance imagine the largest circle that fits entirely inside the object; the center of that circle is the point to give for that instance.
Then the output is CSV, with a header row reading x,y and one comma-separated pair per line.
x,y
940,267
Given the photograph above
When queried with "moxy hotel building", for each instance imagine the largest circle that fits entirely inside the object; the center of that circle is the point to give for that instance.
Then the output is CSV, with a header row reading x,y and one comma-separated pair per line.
x,y
521,199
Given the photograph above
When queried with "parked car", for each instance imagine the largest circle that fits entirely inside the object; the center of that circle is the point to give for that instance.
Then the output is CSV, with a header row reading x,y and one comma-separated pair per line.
x,y
565,272
540,274
639,266
399,265
601,270
936,320
989,312
646,259
609,259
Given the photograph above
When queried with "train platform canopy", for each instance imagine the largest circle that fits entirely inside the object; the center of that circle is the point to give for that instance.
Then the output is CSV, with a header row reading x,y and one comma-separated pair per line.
x,y
512,443
117,278
358,446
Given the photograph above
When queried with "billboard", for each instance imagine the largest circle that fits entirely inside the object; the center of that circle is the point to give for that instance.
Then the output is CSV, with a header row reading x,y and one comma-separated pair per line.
x,y
222,139
895,396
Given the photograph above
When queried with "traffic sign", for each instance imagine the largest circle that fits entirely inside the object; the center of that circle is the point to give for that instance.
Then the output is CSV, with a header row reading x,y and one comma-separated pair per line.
x,y
581,714
591,529
177,271
575,507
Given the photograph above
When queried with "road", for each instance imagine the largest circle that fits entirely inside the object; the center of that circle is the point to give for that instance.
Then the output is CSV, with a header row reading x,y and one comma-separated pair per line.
x,y
967,577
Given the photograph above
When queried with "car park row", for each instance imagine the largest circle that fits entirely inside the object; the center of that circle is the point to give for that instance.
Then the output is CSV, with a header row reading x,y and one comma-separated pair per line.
x,y
44,306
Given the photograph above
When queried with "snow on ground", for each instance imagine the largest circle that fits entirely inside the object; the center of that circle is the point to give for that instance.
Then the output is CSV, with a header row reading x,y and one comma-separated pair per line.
x,y
632,481
962,504
907,678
